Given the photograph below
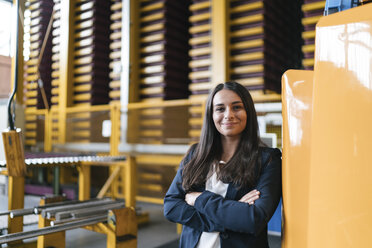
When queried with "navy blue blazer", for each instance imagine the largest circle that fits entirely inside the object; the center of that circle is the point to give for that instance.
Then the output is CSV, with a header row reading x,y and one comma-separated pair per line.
x,y
239,224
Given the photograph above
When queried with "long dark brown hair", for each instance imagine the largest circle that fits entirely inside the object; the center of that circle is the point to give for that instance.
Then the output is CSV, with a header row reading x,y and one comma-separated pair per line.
x,y
241,170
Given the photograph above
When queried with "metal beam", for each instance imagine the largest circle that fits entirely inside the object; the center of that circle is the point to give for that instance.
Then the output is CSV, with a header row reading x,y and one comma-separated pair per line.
x,y
51,212
84,212
52,229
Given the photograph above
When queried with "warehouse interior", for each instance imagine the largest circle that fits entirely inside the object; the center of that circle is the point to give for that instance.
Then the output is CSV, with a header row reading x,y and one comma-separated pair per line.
x,y
109,95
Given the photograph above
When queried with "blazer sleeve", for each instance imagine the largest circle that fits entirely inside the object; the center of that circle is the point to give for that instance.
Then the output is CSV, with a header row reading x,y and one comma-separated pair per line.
x,y
177,210
242,217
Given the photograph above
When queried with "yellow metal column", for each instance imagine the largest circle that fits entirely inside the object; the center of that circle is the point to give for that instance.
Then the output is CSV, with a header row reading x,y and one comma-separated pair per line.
x,y
84,182
66,65
220,41
48,132
56,240
16,192
115,129
130,181
114,150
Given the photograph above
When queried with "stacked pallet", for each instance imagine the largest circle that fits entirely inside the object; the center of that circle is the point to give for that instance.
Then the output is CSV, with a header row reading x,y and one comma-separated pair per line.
x,y
163,50
155,174
37,16
201,47
312,11
115,48
91,56
264,41
56,41
163,65
263,44
201,63
91,63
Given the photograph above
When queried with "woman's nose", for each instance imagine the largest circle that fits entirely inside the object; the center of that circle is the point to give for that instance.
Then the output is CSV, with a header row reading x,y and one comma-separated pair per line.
x,y
228,114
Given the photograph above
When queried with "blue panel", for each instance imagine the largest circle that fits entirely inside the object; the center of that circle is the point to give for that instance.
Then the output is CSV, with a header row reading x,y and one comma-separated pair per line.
x,y
275,223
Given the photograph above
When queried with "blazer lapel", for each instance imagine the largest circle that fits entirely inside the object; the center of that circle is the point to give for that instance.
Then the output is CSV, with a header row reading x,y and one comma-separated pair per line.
x,y
231,192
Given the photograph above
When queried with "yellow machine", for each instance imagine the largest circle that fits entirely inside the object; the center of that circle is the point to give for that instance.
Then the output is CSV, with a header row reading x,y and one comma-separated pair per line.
x,y
327,186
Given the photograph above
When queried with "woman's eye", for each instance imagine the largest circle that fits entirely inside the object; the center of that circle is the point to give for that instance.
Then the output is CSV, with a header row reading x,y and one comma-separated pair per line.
x,y
237,107
219,109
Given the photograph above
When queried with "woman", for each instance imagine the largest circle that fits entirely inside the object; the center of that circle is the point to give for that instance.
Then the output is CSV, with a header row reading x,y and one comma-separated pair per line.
x,y
228,186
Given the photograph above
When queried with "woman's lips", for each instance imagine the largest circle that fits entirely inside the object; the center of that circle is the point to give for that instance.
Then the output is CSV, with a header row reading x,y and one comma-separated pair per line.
x,y
229,124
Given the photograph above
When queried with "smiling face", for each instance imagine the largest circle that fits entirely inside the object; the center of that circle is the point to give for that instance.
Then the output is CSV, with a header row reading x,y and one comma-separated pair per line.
x,y
229,114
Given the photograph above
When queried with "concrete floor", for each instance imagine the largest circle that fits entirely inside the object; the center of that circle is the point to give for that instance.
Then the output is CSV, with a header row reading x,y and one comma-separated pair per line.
x,y
158,233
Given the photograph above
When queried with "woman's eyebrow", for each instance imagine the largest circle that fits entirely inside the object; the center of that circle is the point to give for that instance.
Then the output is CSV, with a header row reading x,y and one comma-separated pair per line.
x,y
222,104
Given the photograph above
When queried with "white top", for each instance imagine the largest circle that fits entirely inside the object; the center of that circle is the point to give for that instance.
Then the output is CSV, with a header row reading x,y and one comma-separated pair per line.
x,y
212,239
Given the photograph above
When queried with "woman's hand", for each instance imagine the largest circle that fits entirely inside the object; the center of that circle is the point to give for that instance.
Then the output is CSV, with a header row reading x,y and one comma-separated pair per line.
x,y
250,197
191,197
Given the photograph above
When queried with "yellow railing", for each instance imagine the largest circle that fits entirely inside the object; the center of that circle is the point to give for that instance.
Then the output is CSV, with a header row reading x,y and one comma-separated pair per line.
x,y
136,113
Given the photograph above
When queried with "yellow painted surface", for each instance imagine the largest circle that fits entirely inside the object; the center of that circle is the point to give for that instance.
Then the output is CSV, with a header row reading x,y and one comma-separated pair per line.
x,y
151,80
200,74
200,17
339,198
247,7
269,96
248,69
251,81
116,16
116,6
152,17
247,56
198,6
154,27
310,20
200,28
313,6
115,36
14,153
297,105
153,48
152,69
247,44
341,190
199,40
153,7
200,86
200,63
308,34
220,45
200,51
165,160
15,201
152,38
84,182
56,240
130,188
